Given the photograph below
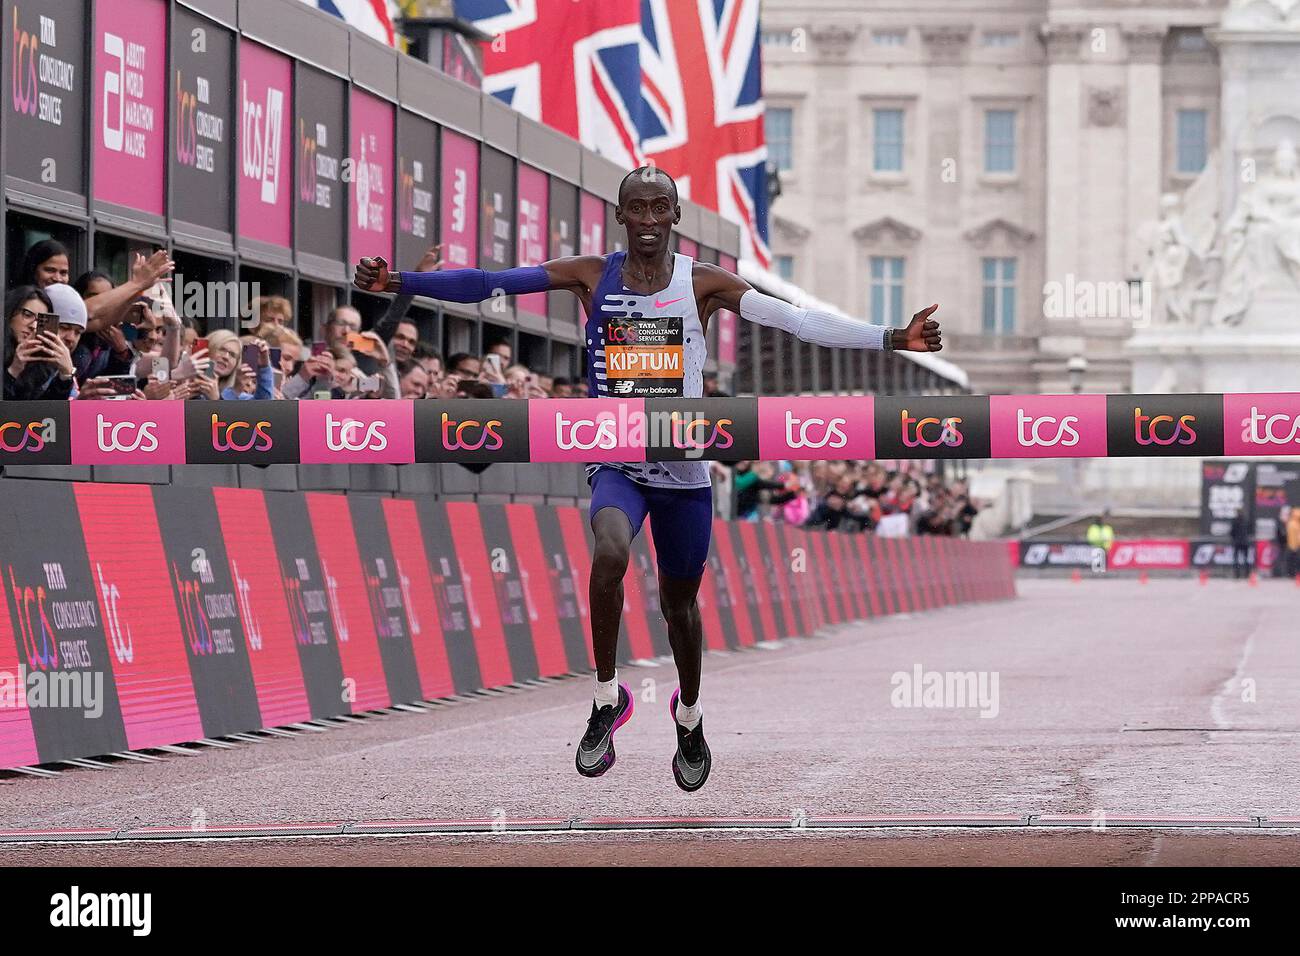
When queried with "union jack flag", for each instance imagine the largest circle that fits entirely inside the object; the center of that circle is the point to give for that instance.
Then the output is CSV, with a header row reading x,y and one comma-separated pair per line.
x,y
676,82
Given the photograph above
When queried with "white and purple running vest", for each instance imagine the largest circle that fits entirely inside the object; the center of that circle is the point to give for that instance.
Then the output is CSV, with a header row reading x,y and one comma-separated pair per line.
x,y
648,346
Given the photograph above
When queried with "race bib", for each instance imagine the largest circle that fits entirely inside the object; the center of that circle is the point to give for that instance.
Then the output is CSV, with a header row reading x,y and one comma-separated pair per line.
x,y
644,357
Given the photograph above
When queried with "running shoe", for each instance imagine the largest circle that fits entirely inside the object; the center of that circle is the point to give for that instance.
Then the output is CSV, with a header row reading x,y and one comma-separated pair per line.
x,y
596,749
692,761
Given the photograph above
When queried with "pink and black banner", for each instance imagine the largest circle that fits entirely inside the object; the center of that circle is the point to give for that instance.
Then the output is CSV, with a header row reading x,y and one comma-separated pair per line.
x,y
806,428
134,616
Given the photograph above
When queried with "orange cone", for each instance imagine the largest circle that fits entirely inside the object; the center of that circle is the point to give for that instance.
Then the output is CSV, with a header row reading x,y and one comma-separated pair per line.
x,y
1143,577
1076,576
1205,576
1297,580
1253,579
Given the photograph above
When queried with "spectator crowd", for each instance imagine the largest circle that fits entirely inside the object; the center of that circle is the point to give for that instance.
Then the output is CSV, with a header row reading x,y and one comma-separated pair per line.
x,y
849,496
92,338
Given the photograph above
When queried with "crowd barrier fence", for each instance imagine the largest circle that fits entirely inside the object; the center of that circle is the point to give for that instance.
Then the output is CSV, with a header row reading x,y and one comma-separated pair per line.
x,y
134,615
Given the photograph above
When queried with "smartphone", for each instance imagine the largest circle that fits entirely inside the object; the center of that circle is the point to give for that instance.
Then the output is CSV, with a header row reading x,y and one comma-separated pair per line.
x,y
275,357
319,348
161,369
251,355
360,343
47,322
200,345
277,377
123,386
368,383
493,359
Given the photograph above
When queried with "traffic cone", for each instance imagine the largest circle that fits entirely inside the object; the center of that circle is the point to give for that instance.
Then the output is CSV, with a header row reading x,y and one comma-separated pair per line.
x,y
1076,576
1253,580
1205,576
1143,577
1297,580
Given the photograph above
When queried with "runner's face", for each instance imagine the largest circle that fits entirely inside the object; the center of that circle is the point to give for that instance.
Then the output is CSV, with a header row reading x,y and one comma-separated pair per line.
x,y
649,213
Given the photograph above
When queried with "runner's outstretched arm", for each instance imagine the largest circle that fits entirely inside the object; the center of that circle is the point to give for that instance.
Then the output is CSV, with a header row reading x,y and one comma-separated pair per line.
x,y
476,285
816,326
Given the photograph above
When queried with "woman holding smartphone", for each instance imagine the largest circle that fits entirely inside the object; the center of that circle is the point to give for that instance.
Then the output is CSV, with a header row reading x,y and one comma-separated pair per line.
x,y
236,376
37,362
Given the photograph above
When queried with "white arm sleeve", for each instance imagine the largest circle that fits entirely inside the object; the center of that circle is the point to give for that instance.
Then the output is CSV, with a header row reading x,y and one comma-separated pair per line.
x,y
812,325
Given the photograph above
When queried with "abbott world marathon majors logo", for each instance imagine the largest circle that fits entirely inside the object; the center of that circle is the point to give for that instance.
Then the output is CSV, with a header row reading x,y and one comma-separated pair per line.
x,y
1268,422
255,433
357,432
128,433
1048,426
471,430
932,426
34,433
841,426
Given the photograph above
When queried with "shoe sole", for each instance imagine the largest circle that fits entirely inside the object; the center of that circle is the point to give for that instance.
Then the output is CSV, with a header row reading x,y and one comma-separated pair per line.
x,y
708,756
609,756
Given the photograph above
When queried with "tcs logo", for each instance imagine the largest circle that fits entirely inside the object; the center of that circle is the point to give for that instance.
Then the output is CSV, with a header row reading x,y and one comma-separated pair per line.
x,y
623,333
226,435
471,435
29,436
914,431
125,436
684,434
1029,435
569,434
1261,429
347,435
1147,429
814,432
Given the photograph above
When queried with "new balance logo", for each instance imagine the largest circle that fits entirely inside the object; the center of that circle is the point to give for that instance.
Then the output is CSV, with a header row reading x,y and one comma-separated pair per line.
x,y
623,386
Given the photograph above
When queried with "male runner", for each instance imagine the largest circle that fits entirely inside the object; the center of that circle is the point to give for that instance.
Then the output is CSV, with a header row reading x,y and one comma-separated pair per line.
x,y
663,301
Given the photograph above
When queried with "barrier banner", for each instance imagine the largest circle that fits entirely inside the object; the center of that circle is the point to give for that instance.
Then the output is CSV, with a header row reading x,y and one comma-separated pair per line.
x,y
1148,554
548,583
754,593
635,639
424,616
134,616
198,572
736,627
1060,554
458,616
1217,554
643,570
158,683
365,682
308,597
494,656
388,597
513,602
776,556
278,659
634,429
65,674
771,607
577,552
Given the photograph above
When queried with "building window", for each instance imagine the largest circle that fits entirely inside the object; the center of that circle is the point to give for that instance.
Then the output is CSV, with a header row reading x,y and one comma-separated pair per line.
x,y
999,296
889,37
1191,141
779,126
1001,38
1191,40
999,141
887,290
888,141
785,267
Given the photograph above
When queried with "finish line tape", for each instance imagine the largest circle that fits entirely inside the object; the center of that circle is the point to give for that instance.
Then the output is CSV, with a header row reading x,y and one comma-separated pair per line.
x,y
805,428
